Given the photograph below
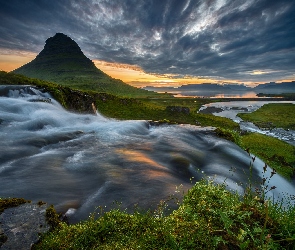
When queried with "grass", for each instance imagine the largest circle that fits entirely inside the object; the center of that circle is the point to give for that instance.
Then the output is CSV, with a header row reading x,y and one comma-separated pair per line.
x,y
276,153
209,217
279,115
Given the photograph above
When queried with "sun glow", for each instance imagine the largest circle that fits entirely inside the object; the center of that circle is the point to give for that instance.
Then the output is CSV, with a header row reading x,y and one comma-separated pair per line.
x,y
131,74
10,60
137,77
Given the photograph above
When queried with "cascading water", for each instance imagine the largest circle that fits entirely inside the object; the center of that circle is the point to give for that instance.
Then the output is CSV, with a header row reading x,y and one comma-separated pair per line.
x,y
79,162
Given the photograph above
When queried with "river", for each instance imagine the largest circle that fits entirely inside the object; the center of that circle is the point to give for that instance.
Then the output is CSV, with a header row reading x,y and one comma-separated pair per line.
x,y
80,162
231,109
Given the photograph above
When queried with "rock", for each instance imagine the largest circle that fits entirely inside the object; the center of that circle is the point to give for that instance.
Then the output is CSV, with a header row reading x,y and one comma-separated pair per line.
x,y
178,109
21,226
210,110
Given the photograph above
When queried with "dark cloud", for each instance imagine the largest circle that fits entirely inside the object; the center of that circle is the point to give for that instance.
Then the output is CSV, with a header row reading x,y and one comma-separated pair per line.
x,y
227,39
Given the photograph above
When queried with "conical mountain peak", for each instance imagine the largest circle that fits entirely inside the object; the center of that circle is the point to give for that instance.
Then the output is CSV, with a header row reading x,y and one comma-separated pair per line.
x,y
60,44
60,60
63,62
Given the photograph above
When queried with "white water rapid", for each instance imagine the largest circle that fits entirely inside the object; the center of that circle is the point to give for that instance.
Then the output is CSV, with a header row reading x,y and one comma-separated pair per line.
x,y
79,162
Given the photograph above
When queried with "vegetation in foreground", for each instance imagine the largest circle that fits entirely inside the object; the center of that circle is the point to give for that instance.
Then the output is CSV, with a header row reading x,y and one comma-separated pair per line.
x,y
272,115
209,217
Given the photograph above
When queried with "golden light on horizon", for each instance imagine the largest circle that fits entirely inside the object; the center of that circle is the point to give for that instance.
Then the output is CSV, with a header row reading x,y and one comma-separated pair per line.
x,y
11,60
135,76
131,74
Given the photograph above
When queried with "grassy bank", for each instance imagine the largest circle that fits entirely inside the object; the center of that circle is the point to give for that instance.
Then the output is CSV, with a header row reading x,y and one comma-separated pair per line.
x,y
273,115
209,217
276,153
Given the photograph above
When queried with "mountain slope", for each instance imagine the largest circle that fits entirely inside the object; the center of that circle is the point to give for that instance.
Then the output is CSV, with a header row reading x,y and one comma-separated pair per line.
x,y
62,61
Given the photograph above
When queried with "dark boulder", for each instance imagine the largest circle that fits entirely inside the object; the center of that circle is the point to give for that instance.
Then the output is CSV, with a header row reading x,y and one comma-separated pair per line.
x,y
178,109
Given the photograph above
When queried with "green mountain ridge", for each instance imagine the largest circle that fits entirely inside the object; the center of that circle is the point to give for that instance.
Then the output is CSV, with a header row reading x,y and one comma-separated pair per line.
x,y
63,62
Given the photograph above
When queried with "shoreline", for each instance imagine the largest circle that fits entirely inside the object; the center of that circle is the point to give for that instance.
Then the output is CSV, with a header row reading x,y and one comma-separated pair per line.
x,y
250,99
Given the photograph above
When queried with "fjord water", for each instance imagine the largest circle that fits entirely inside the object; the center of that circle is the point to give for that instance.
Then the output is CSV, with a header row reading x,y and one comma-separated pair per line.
x,y
79,162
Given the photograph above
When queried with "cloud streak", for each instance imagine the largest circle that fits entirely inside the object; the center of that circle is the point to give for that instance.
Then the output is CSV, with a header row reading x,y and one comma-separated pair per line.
x,y
221,39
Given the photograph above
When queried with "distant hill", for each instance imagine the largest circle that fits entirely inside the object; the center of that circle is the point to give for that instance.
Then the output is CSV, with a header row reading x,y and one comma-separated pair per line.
x,y
275,88
204,87
62,61
207,89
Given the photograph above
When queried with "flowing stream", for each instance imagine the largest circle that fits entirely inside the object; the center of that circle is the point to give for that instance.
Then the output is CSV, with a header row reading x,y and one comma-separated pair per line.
x,y
231,109
79,162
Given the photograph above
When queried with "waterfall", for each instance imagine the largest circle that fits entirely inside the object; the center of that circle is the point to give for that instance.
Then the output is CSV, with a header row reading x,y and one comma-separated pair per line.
x,y
79,162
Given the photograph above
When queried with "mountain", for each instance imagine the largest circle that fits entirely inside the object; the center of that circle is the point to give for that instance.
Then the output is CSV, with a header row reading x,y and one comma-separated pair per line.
x,y
209,89
203,87
238,87
63,62
275,88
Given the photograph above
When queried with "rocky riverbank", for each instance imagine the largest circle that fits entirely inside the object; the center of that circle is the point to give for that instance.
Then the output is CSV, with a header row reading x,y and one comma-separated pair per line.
x,y
20,227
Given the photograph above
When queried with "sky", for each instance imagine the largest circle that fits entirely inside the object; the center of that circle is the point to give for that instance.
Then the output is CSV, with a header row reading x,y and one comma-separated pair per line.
x,y
160,42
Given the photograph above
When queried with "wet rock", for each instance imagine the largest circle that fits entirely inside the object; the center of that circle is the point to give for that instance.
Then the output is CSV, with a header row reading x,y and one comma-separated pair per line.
x,y
21,226
47,100
210,110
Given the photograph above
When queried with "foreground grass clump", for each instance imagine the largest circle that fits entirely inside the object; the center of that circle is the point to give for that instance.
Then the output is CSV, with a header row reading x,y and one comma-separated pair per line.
x,y
279,115
210,217
276,153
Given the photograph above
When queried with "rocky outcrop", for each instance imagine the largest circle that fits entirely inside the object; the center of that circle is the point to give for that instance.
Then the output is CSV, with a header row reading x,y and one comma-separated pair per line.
x,y
20,227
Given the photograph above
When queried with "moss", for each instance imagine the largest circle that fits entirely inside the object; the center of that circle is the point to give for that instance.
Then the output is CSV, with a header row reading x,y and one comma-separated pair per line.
x,y
41,203
52,218
11,202
3,239
225,134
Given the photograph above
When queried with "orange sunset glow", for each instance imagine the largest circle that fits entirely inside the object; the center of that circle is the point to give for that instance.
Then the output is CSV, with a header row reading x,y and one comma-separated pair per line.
x,y
135,76
131,74
10,60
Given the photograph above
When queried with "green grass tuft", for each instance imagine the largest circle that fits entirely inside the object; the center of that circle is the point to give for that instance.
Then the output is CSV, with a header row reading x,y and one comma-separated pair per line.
x,y
210,217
